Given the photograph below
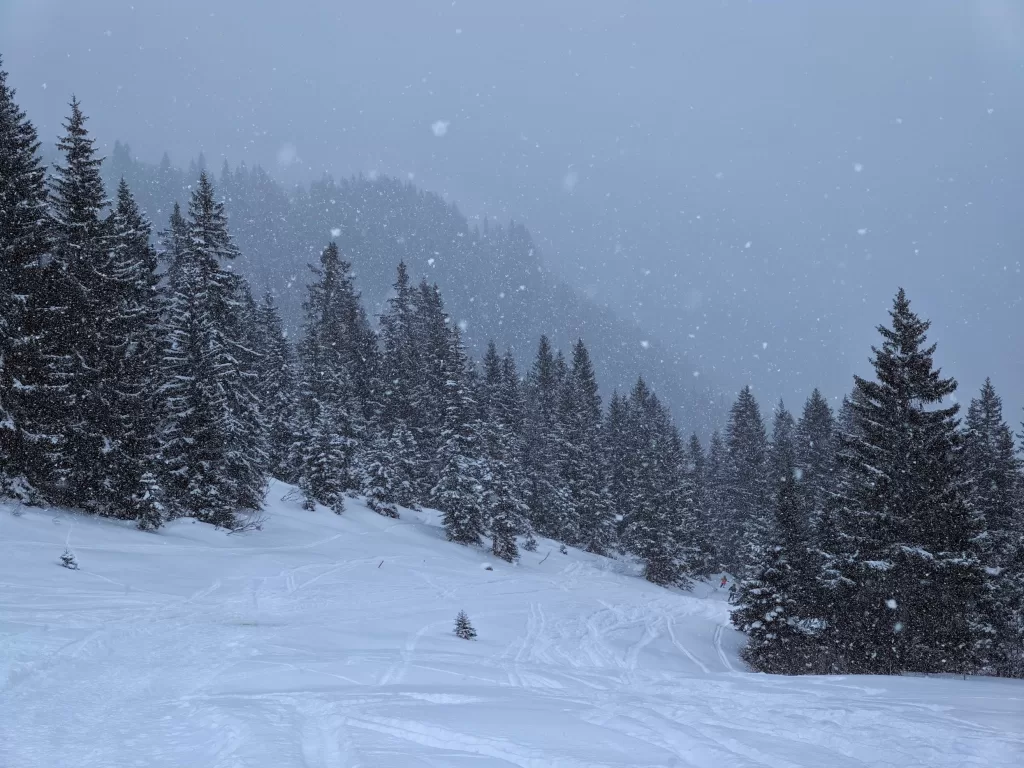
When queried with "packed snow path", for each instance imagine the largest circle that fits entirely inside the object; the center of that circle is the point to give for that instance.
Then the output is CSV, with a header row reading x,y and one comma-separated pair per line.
x,y
327,641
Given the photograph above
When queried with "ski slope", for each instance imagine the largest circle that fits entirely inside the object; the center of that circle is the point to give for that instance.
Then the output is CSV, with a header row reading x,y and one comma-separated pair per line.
x,y
326,641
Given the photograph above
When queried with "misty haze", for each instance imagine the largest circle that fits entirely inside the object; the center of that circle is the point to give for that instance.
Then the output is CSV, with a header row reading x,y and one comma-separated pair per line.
x,y
423,383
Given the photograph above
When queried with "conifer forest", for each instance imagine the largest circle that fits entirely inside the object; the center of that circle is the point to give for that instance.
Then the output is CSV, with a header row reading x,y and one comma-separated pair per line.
x,y
590,384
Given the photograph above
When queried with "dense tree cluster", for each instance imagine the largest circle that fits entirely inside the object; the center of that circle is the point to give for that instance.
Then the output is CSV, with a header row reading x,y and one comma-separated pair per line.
x,y
887,540
147,384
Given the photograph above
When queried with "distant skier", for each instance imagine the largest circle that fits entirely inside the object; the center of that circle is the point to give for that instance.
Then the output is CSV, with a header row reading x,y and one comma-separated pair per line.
x,y
724,582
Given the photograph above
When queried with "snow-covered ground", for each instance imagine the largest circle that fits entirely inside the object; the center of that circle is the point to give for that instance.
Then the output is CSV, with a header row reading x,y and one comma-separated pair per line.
x,y
327,641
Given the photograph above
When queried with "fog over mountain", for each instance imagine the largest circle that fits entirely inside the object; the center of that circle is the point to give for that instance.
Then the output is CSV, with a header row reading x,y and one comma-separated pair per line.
x,y
748,182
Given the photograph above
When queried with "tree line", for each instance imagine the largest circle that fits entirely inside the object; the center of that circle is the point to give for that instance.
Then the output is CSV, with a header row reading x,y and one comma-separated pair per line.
x,y
887,539
148,383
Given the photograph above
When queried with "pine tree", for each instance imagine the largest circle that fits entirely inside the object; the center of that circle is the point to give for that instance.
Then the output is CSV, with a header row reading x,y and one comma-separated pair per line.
x,y
747,497
912,540
213,462
330,413
506,508
717,478
703,560
132,369
397,412
992,475
771,602
277,391
82,349
590,515
432,331
815,448
460,492
659,496
548,500
380,480
463,628
24,243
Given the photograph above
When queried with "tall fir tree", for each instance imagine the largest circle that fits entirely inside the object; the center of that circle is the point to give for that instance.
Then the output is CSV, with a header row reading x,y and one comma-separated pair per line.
x,y
506,507
549,502
81,346
703,559
277,391
330,413
461,489
994,486
25,433
133,370
658,494
747,497
717,478
912,549
772,607
590,518
815,449
213,463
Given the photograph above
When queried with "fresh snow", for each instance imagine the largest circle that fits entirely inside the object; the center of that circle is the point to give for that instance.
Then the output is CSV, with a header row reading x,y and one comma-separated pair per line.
x,y
326,641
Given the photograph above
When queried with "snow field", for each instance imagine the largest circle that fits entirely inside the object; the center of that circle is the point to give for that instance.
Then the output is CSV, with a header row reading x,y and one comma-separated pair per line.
x,y
327,641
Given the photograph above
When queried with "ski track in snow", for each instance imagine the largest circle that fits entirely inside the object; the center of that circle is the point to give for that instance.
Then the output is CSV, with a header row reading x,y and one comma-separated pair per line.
x,y
326,642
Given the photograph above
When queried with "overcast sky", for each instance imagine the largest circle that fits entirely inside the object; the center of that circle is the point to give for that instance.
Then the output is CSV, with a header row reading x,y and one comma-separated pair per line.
x,y
751,180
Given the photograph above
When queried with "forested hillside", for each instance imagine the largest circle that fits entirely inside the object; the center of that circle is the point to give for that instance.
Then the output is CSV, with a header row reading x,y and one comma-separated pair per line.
x,y
493,276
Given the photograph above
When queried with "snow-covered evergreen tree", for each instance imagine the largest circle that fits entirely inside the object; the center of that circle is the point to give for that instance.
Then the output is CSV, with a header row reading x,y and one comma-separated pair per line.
x,y
83,347
549,502
213,462
700,529
463,627
277,391
461,489
330,414
717,477
132,371
815,448
911,548
994,486
659,495
771,603
747,497
506,508
591,517
25,433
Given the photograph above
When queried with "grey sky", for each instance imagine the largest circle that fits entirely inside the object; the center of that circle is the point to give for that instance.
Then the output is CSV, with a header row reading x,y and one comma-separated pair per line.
x,y
855,146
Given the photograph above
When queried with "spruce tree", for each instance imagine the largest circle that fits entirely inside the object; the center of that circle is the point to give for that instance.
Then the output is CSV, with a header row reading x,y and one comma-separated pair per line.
x,y
214,464
912,540
717,478
330,414
747,496
815,447
703,559
549,502
992,475
771,603
398,413
659,494
132,370
277,391
82,348
432,330
25,311
589,521
506,508
461,490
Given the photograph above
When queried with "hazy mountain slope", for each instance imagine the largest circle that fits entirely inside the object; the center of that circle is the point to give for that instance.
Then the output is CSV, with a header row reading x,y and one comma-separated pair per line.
x,y
493,278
